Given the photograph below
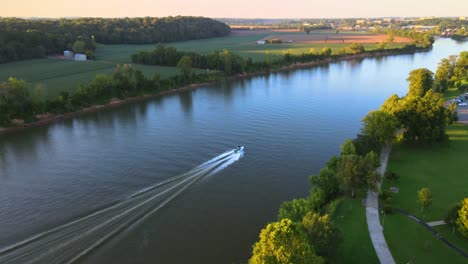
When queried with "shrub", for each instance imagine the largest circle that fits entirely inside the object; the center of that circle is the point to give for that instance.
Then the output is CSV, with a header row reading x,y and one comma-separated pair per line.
x,y
390,175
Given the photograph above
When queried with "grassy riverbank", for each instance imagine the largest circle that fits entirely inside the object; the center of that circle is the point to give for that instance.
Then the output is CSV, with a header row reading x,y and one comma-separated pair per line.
x,y
350,218
441,168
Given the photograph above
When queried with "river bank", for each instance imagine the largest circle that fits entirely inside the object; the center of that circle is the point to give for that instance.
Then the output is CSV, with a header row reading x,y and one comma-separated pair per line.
x,y
51,118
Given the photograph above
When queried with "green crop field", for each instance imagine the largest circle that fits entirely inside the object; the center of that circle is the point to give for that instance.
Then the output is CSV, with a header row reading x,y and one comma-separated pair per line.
x,y
441,168
48,77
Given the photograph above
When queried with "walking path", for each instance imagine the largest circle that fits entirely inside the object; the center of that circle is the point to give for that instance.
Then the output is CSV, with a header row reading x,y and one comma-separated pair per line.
x,y
372,215
436,223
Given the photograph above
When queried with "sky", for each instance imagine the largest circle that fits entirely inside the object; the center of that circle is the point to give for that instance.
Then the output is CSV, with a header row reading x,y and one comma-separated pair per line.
x,y
234,8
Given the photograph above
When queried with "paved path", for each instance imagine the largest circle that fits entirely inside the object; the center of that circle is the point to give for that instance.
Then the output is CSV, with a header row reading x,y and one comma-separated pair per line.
x,y
372,215
436,223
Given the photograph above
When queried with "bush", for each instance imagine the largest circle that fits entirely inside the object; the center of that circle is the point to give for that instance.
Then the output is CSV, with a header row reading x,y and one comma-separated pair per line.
x,y
274,41
385,194
390,175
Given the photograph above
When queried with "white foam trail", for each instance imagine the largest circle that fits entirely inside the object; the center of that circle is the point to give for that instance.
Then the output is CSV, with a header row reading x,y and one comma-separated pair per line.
x,y
69,242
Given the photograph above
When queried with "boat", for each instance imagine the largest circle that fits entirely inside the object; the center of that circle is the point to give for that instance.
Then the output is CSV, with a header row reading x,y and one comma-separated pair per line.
x,y
239,149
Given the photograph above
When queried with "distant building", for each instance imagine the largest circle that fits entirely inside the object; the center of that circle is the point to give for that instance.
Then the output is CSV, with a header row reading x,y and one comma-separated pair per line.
x,y
68,54
80,57
261,42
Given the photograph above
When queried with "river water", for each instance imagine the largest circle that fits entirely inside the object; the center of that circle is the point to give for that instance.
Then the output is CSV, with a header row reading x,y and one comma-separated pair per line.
x,y
52,178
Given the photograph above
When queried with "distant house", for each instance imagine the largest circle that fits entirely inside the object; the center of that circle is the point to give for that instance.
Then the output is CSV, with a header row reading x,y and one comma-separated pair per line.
x,y
261,42
68,54
80,57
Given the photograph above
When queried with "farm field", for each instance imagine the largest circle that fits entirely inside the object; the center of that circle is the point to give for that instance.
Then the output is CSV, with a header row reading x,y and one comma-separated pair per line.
x,y
48,77
440,168
245,44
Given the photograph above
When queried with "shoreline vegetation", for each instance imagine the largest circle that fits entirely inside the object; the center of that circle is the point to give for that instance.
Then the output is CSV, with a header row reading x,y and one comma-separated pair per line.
x,y
421,118
48,118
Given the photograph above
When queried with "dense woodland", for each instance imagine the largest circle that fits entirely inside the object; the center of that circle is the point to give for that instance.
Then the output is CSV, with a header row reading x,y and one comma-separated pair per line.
x,y
34,38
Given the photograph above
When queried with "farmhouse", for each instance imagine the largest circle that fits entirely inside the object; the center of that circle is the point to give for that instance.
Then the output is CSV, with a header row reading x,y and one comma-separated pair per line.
x,y
261,42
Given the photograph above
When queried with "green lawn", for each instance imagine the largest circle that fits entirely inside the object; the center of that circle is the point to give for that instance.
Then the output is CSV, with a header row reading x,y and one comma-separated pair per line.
x,y
410,242
452,93
441,168
350,217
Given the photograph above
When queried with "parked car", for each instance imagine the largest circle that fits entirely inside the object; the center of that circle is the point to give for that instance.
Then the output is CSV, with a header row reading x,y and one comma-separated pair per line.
x,y
463,104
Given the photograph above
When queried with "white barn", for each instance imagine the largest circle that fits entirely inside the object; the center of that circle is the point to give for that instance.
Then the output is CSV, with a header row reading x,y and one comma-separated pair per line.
x,y
80,57
68,54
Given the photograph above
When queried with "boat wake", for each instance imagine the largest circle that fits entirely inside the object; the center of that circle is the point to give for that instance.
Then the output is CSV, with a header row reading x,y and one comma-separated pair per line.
x,y
70,242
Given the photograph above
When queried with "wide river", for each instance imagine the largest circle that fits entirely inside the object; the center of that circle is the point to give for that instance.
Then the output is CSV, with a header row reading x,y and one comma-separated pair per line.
x,y
291,123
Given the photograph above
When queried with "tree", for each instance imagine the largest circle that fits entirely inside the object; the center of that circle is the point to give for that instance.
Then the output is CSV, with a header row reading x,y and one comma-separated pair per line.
x,y
327,182
443,75
296,209
355,172
380,125
452,216
424,198
185,66
323,236
326,52
425,119
79,46
463,217
284,242
420,81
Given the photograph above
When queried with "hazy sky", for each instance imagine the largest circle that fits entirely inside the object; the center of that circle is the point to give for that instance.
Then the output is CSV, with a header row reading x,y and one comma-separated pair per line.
x,y
234,8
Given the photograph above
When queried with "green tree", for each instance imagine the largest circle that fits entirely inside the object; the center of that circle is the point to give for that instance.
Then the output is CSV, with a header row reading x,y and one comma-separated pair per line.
x,y
227,59
326,181
355,172
326,52
284,242
420,81
462,220
323,236
185,66
79,46
424,198
452,216
296,209
443,75
380,125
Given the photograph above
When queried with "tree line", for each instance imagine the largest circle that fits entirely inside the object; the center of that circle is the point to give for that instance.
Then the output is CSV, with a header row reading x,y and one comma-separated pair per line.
x,y
18,105
34,38
305,232
231,63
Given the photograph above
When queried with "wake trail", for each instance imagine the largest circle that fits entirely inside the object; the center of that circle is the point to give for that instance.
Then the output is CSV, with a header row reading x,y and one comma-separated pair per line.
x,y
71,241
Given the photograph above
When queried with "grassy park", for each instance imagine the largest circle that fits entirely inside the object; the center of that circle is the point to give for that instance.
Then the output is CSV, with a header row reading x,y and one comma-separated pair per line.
x,y
441,168
350,218
48,77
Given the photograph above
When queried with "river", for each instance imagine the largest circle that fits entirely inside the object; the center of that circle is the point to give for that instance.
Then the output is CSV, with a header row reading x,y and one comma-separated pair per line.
x,y
290,123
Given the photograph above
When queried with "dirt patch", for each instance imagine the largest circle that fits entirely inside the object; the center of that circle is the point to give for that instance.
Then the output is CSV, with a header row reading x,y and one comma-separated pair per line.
x,y
339,38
